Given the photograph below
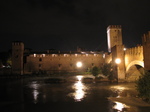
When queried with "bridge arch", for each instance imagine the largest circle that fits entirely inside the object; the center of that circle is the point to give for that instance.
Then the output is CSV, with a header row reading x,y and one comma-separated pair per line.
x,y
135,62
134,70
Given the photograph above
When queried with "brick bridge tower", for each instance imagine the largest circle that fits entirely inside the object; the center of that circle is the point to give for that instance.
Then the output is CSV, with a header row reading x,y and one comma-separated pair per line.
x,y
116,47
114,36
146,50
17,57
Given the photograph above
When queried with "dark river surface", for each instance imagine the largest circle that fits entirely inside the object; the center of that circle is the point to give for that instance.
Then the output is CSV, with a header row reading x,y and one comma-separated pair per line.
x,y
35,95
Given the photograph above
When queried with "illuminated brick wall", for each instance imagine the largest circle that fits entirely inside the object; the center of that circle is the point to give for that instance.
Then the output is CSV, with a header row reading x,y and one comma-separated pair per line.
x,y
62,62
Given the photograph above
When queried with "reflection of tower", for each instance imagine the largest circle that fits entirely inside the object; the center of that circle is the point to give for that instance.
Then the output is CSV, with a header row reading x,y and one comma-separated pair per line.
x,y
114,36
17,57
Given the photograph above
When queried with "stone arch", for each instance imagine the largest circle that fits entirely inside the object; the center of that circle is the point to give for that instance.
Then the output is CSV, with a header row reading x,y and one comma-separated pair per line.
x,y
134,70
135,62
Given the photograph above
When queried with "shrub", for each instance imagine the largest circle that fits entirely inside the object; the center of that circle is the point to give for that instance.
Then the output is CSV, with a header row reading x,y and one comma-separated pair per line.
x,y
143,86
95,71
106,69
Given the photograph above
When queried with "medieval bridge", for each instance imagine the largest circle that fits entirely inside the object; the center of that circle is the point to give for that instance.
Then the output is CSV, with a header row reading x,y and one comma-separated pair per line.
x,y
132,61
134,56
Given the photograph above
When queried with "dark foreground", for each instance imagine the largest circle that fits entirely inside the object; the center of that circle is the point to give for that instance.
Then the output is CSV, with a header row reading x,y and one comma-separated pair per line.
x,y
36,95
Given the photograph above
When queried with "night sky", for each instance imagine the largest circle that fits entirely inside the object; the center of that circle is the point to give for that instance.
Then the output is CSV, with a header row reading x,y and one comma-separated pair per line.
x,y
65,24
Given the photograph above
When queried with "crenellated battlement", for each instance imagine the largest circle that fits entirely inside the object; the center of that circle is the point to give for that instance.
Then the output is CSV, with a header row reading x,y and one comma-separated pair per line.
x,y
17,43
114,27
135,50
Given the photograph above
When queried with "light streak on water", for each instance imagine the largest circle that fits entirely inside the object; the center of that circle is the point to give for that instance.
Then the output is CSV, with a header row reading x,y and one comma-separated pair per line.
x,y
35,86
120,106
79,89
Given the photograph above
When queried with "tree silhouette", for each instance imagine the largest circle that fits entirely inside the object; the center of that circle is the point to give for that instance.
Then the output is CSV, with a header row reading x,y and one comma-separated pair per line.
x,y
95,71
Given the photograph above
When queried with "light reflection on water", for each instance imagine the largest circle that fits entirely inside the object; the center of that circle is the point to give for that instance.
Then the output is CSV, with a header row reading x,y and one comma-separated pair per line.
x,y
79,93
120,106
87,97
35,86
80,89
118,89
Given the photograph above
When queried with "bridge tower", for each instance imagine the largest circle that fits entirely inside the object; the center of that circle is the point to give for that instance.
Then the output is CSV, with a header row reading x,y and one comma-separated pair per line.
x,y
17,57
118,62
146,50
114,36
116,47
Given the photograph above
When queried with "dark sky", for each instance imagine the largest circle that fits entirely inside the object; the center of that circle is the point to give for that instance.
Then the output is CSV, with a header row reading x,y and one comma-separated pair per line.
x,y
66,24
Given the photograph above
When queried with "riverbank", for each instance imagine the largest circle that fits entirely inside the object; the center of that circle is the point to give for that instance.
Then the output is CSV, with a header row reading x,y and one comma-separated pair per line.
x,y
87,78
130,101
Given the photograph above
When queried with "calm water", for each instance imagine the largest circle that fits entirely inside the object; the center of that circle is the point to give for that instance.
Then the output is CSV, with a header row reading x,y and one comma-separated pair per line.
x,y
34,95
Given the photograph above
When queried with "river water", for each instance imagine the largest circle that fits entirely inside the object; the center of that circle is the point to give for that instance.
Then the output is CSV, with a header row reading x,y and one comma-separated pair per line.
x,y
34,95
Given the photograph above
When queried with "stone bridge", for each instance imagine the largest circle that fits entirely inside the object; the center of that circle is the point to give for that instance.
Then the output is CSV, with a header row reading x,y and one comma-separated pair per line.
x,y
132,61
134,56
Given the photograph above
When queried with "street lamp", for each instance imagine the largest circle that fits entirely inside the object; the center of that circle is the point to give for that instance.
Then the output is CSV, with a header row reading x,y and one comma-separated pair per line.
x,y
118,61
79,64
124,49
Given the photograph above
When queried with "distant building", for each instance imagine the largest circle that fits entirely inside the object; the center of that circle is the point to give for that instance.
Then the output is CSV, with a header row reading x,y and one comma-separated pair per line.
x,y
52,60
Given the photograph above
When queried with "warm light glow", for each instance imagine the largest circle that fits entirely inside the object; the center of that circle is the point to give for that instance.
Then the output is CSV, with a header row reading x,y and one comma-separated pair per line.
x,y
79,77
34,55
104,55
79,64
118,61
43,55
76,55
120,106
82,52
79,89
124,49
79,93
118,88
